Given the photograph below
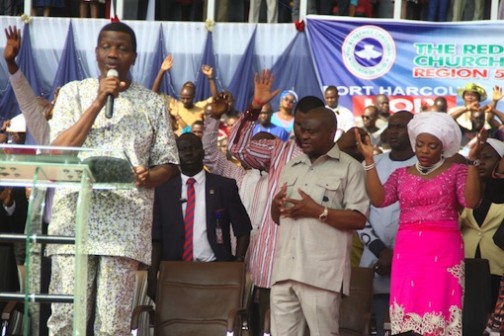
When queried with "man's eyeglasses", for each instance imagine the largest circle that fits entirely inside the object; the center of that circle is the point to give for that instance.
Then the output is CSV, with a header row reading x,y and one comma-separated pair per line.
x,y
366,117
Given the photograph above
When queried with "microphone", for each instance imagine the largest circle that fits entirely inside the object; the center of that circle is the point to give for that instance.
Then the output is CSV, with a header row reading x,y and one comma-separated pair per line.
x,y
109,107
183,200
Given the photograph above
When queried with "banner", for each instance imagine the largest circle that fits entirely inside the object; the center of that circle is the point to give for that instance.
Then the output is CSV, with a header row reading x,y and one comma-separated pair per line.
x,y
412,62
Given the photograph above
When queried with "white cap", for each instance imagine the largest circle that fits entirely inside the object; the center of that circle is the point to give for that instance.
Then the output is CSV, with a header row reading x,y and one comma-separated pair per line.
x,y
497,145
17,124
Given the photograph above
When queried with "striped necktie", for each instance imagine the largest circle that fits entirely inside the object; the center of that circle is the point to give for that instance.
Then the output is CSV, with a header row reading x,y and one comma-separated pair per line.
x,y
189,221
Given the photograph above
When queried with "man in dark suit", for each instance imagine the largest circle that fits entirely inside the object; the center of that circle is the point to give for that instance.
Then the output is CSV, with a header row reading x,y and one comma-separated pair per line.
x,y
13,211
217,207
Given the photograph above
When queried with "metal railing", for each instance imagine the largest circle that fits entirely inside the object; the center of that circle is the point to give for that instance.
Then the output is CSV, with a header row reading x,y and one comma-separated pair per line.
x,y
36,239
210,15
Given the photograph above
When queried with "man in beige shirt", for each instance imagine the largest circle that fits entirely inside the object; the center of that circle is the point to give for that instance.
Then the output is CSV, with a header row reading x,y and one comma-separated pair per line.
x,y
321,201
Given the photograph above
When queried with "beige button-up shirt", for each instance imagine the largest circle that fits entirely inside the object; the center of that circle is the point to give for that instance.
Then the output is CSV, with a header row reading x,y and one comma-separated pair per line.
x,y
310,251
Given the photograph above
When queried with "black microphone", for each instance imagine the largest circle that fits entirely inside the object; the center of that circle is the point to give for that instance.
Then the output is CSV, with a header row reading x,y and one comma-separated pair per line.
x,y
109,107
183,200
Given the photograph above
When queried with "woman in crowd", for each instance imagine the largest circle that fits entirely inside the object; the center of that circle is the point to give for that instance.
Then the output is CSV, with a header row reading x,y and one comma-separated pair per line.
x,y
493,191
473,96
479,224
427,268
285,116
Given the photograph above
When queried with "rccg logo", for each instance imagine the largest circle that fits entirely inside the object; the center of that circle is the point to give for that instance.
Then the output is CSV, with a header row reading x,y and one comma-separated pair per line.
x,y
368,52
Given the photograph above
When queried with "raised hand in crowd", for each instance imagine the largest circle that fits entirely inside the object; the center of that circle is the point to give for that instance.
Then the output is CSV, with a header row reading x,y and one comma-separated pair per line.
x,y
348,143
219,105
491,113
477,146
496,94
12,47
364,146
165,66
490,109
208,71
262,88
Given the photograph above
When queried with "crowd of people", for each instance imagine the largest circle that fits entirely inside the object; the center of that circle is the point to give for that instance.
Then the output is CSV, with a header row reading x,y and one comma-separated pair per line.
x,y
253,11
292,193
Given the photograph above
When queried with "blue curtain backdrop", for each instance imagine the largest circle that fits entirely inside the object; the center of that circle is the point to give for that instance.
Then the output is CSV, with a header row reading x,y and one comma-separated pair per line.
x,y
333,54
294,70
202,85
159,56
69,68
75,58
242,84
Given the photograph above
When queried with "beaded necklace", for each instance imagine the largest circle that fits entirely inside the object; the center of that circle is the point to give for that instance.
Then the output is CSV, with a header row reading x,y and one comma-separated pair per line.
x,y
427,170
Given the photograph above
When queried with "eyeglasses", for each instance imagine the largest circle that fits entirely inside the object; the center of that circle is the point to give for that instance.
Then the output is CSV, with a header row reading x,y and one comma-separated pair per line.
x,y
288,100
366,117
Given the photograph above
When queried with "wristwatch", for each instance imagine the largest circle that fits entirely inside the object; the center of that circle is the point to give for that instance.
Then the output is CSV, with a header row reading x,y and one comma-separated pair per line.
x,y
323,216
474,163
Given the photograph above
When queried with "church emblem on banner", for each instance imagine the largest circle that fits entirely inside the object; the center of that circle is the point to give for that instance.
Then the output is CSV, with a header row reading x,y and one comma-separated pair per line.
x,y
368,52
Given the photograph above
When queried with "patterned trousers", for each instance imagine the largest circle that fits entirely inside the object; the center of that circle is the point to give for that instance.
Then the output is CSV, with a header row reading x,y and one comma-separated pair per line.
x,y
115,282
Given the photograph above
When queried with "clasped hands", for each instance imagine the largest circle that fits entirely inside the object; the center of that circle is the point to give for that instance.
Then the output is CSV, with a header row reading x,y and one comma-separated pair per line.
x,y
305,207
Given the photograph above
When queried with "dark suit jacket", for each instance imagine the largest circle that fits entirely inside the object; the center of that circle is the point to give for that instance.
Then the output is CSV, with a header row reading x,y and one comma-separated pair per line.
x,y
16,222
168,223
9,281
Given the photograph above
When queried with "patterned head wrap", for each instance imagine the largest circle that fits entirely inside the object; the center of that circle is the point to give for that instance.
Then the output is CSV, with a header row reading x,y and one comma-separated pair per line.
x,y
289,92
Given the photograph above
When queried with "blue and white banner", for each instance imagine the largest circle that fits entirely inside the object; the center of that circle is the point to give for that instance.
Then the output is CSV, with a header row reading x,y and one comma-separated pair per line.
x,y
411,62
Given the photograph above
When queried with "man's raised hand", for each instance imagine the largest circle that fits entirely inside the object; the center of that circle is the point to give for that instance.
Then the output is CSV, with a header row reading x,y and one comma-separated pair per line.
x,y
262,88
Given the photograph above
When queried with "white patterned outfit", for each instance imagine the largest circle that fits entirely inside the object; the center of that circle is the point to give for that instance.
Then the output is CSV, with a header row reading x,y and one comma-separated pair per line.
x,y
119,224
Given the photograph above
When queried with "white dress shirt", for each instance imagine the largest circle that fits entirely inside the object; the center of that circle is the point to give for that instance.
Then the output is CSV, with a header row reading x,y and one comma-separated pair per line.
x,y
345,119
10,209
202,251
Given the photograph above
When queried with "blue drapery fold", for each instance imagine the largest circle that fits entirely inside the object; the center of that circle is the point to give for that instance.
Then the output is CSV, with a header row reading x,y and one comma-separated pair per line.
x,y
69,67
8,104
202,86
294,70
159,56
242,83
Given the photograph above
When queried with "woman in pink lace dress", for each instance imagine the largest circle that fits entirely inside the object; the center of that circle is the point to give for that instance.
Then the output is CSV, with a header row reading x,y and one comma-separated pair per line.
x,y
427,268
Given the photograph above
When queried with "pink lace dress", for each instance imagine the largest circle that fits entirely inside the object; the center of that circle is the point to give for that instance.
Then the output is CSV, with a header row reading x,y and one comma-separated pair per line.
x,y
427,268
